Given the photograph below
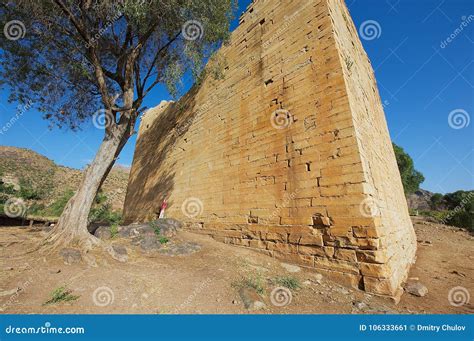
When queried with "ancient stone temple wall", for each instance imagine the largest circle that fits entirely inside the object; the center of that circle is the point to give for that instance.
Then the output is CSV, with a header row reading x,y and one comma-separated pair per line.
x,y
289,153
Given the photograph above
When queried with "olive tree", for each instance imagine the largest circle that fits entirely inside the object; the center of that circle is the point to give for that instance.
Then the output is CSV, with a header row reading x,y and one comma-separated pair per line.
x,y
84,60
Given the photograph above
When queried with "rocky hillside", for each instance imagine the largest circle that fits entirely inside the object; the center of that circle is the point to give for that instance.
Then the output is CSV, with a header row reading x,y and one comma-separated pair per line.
x,y
420,200
24,169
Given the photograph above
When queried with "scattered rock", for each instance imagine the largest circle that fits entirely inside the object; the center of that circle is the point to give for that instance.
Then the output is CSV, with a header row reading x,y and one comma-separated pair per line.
x,y
55,271
235,302
307,282
342,290
359,305
118,252
103,232
291,267
181,249
135,230
416,288
317,277
252,301
71,256
455,272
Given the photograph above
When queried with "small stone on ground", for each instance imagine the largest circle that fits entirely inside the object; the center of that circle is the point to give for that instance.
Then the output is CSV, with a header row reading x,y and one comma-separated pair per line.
x,y
291,267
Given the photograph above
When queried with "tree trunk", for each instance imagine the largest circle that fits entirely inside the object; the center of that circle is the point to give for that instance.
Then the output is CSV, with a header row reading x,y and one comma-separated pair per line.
x,y
71,229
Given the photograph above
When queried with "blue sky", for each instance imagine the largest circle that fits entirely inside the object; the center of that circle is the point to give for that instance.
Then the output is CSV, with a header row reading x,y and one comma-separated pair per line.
x,y
426,84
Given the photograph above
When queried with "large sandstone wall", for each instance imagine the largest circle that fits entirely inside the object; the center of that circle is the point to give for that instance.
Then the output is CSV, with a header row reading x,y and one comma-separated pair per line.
x,y
289,153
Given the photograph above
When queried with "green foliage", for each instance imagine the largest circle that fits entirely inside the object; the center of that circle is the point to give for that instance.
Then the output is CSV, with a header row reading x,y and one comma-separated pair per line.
x,y
53,67
255,282
61,294
157,230
436,200
163,240
411,178
287,282
28,192
102,212
155,227
455,209
113,230
57,207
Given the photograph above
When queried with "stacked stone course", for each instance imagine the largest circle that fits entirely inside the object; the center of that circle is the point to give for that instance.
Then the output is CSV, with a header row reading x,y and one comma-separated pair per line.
x,y
288,154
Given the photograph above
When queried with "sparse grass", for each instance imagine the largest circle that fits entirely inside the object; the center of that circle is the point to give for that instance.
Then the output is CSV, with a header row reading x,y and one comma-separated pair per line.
x,y
287,281
61,294
155,228
254,282
113,230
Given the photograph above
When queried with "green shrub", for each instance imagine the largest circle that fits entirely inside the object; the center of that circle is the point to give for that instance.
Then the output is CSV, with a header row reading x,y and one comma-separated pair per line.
x,y
28,192
61,294
57,207
254,282
102,211
113,230
163,240
411,178
287,282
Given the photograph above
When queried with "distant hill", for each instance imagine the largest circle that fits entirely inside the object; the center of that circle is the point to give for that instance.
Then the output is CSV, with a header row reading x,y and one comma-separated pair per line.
x,y
24,169
420,200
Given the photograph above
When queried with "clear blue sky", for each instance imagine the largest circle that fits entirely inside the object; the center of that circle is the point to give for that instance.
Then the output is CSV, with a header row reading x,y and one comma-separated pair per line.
x,y
421,81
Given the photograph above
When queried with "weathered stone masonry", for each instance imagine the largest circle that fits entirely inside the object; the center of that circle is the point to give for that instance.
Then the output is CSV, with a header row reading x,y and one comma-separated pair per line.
x,y
289,153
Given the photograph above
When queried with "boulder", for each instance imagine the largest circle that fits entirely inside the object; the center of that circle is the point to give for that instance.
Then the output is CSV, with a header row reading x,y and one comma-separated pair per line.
x,y
252,301
135,230
149,243
416,288
167,227
118,252
103,232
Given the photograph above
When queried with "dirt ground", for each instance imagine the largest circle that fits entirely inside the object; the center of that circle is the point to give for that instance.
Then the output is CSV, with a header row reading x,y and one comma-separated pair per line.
x,y
208,281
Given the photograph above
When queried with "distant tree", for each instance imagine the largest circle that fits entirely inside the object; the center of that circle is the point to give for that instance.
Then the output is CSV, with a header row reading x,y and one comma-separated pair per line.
x,y
71,58
411,178
436,200
461,209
